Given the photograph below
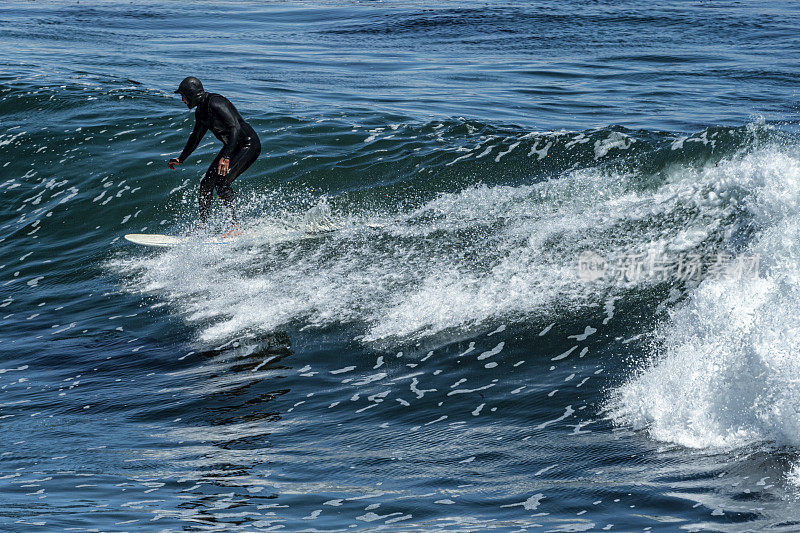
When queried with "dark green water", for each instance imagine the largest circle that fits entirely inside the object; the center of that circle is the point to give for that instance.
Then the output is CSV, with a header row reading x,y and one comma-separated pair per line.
x,y
439,361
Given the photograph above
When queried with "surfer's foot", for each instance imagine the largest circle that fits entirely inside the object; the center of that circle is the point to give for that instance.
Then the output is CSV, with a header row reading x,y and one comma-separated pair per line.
x,y
233,231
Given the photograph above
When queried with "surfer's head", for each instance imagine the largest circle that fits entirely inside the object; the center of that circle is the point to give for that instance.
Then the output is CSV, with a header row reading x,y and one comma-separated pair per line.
x,y
191,90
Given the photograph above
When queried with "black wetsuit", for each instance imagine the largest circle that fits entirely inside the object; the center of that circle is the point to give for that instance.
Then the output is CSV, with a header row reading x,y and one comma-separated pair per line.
x,y
241,146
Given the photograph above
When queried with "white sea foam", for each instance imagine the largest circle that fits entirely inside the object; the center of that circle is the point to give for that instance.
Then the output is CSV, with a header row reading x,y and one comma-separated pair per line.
x,y
727,371
459,260
617,140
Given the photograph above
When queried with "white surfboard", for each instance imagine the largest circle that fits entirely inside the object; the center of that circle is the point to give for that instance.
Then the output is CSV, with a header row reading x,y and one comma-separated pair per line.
x,y
168,241
158,240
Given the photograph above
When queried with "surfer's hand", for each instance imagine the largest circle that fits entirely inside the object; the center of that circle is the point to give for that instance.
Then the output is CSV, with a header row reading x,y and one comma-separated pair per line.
x,y
224,166
172,163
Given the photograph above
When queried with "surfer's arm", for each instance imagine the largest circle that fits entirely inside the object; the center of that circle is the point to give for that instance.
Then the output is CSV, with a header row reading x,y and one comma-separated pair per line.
x,y
199,130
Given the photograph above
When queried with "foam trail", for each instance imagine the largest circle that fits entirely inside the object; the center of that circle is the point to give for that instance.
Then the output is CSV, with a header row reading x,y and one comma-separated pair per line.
x,y
458,261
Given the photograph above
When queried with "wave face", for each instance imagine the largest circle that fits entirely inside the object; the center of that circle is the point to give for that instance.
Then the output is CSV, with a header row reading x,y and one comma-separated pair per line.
x,y
426,262
503,266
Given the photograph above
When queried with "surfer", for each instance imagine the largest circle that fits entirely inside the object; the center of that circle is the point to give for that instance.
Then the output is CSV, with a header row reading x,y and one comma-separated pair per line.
x,y
240,145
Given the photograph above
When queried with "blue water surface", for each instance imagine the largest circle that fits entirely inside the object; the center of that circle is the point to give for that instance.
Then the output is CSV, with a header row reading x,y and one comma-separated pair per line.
x,y
402,340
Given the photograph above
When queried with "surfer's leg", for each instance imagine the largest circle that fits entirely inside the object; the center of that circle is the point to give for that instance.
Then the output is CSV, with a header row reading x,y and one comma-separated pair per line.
x,y
240,161
206,194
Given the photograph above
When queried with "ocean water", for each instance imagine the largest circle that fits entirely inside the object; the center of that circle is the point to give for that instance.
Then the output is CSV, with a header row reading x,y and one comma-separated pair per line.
x,y
505,266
